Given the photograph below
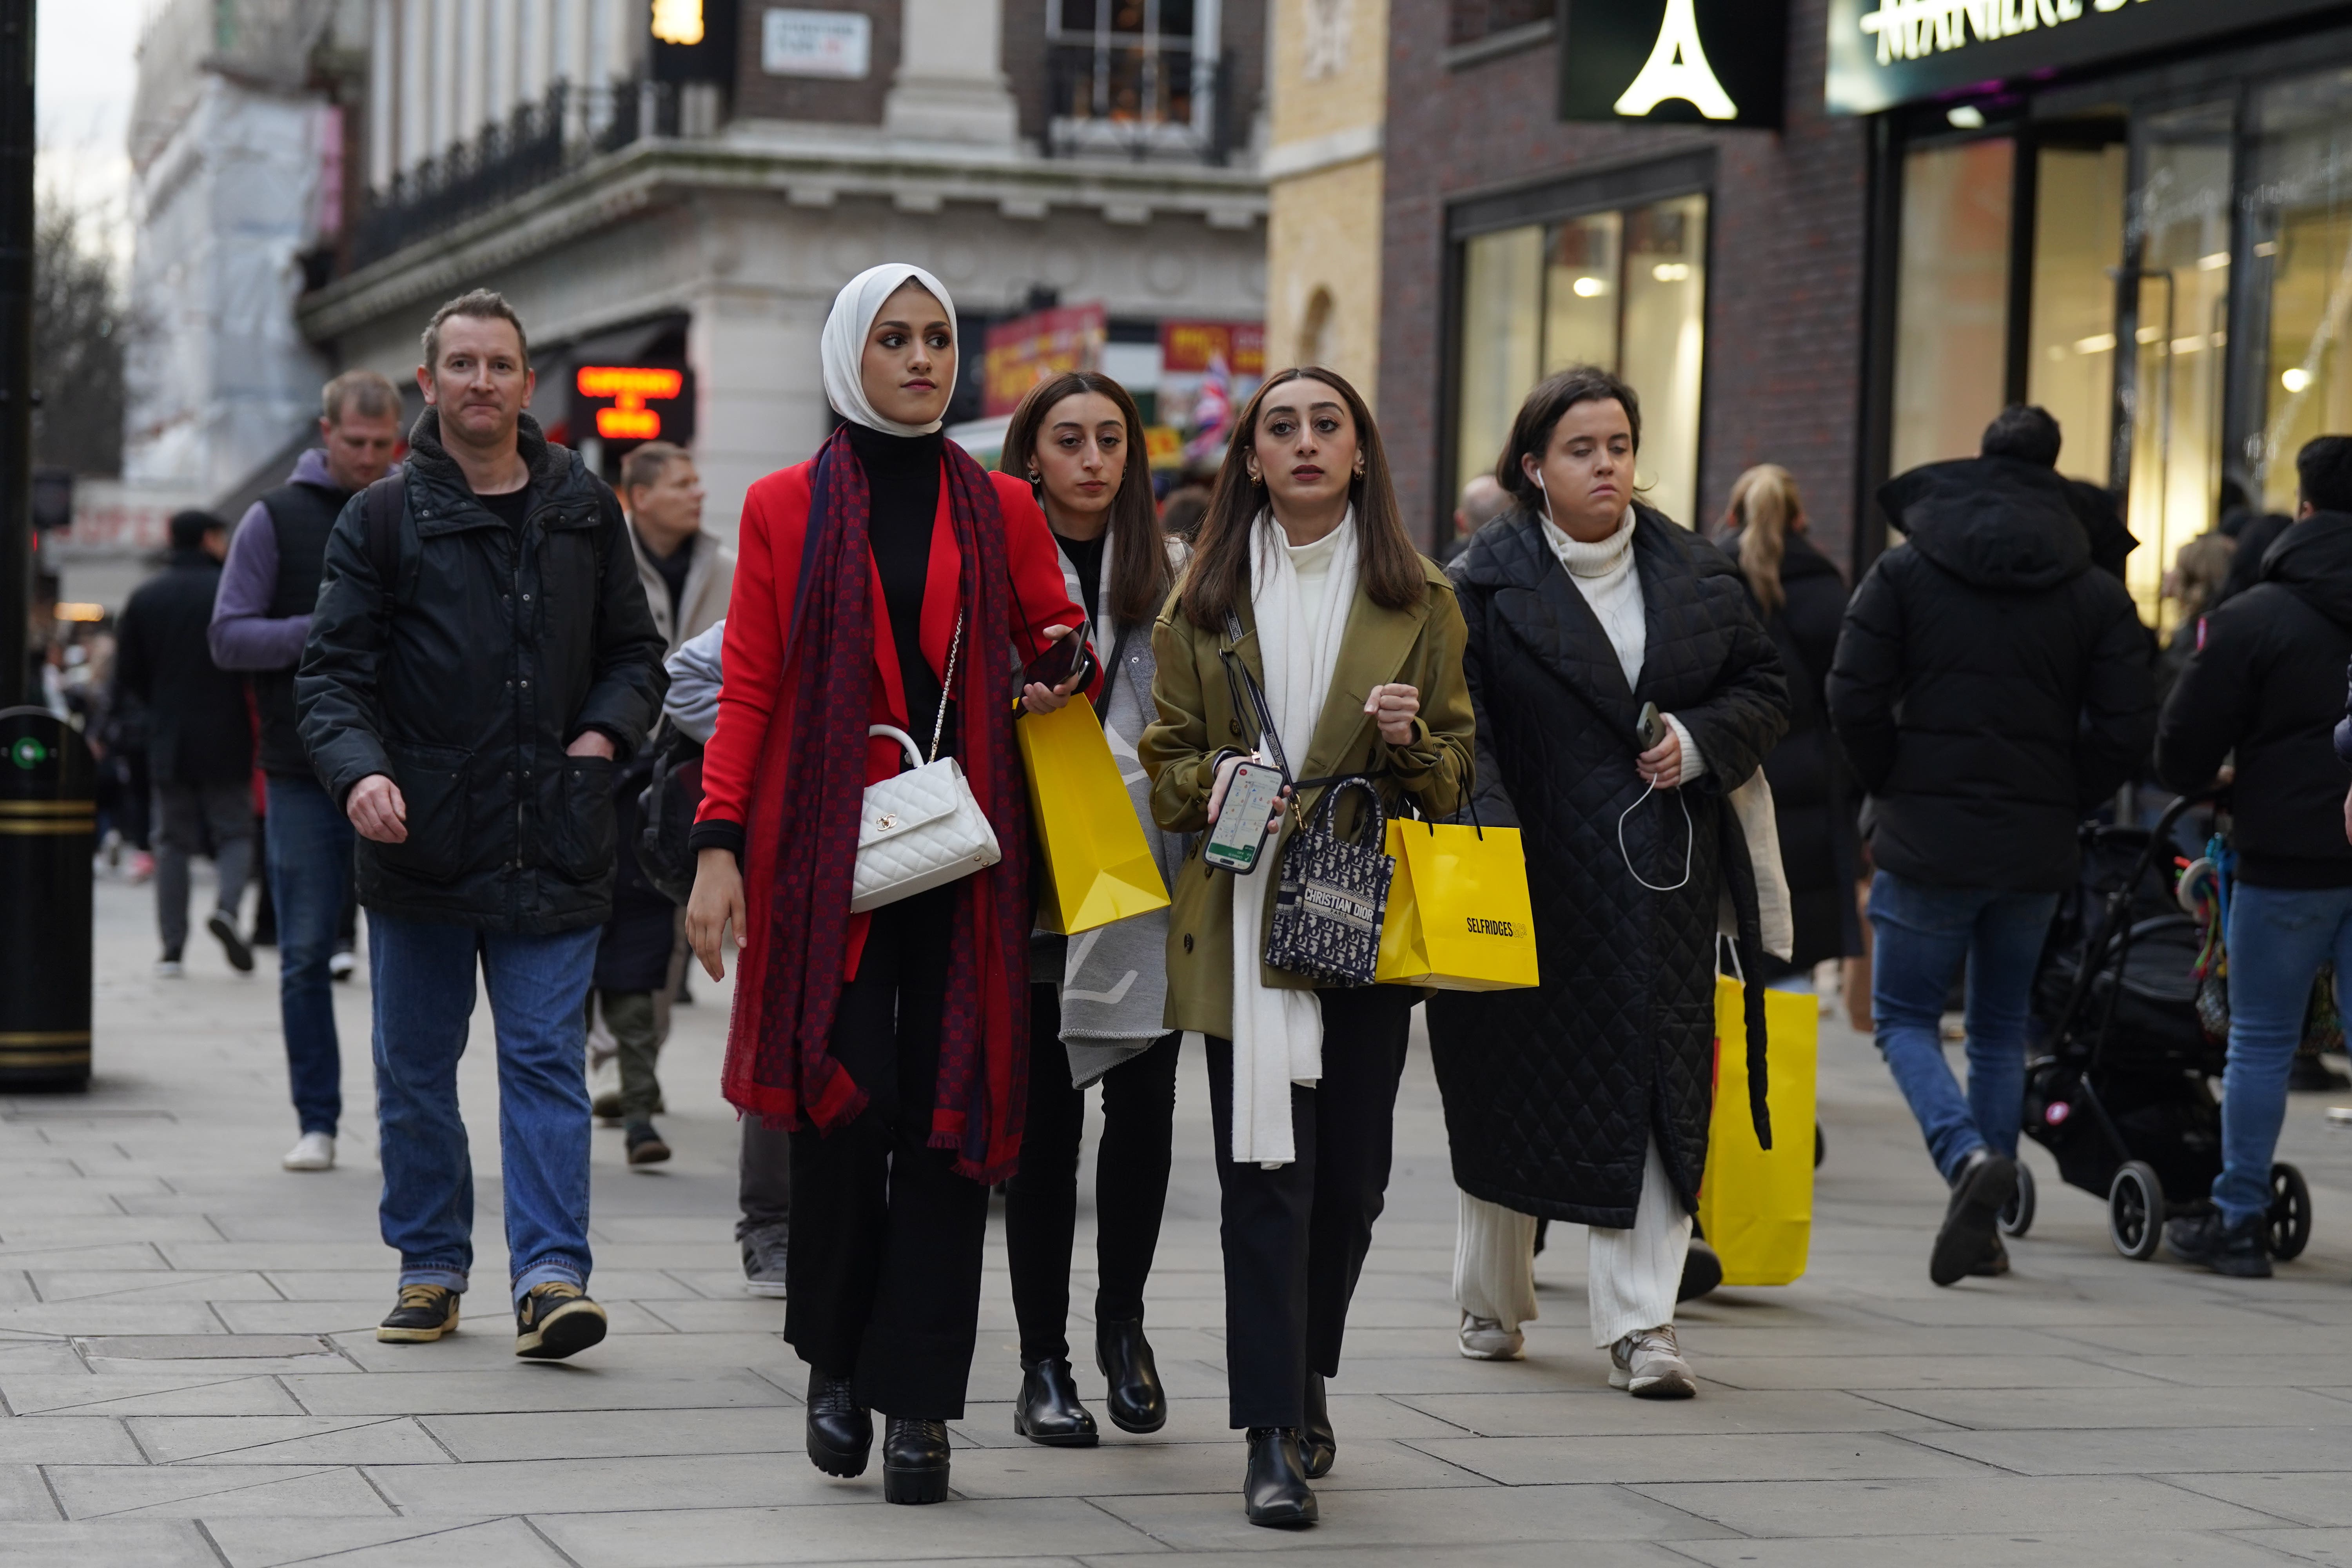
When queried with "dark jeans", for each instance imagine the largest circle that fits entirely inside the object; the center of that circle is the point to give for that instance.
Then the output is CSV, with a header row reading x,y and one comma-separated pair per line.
x,y
1041,1201
1294,1236
422,975
310,852
2278,938
189,819
1925,934
763,1179
884,1272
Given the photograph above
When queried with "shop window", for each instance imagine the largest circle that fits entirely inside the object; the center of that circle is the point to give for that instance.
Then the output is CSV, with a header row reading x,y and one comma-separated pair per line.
x,y
2301,211
2078,243
1132,76
1951,326
1625,290
2179,226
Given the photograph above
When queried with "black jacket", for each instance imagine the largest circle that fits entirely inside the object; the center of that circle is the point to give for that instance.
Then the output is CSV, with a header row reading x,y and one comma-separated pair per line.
x,y
1989,687
465,680
1553,1093
199,729
1812,794
2267,683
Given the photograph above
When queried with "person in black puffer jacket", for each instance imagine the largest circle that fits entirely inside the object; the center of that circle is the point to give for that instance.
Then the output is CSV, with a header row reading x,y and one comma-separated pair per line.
x,y
2264,685
1990,688
1802,599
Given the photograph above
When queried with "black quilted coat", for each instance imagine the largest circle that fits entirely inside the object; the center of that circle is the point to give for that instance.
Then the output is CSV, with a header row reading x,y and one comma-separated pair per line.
x,y
1552,1093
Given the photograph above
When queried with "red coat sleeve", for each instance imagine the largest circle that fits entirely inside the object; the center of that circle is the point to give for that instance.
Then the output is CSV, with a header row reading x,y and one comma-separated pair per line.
x,y
752,653
1036,569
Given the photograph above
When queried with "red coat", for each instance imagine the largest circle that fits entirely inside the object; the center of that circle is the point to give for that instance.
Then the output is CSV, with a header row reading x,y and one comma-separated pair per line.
x,y
744,767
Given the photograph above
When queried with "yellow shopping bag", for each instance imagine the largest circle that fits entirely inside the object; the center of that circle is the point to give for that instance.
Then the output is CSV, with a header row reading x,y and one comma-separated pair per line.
x,y
1756,1206
1098,866
1459,915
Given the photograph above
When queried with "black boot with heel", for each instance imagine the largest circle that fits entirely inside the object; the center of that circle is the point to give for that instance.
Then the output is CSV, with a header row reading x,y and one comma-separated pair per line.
x,y
1275,1493
1136,1401
1048,1410
1319,1445
914,1460
840,1430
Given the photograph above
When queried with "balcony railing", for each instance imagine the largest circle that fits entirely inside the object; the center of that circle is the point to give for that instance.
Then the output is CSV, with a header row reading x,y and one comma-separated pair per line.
x,y
537,143
1128,101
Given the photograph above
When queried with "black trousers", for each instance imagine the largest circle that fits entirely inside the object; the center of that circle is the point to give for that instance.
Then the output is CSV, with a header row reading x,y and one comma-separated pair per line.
x,y
1041,1201
1294,1236
883,1271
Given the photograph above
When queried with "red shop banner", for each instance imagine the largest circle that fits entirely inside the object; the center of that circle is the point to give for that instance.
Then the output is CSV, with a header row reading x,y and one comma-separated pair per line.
x,y
1188,347
1027,350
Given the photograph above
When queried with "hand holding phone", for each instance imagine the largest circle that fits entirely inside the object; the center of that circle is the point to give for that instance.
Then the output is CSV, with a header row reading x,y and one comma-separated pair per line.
x,y
1246,812
1053,675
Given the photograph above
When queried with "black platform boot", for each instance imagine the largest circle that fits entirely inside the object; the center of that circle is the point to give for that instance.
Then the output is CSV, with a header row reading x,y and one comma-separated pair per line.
x,y
1136,1401
1048,1411
1275,1493
1319,1445
914,1460
840,1430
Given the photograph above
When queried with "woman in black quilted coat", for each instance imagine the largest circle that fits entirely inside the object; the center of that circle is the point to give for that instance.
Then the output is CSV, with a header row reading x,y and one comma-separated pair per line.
x,y
1800,597
1587,1098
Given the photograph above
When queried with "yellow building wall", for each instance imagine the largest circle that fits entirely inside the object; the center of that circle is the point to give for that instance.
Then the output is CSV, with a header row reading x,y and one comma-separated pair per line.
x,y
1328,100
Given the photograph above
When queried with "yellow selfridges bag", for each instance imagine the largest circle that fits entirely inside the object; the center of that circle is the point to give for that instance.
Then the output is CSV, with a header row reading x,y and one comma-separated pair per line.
x,y
1098,866
1756,1206
1459,915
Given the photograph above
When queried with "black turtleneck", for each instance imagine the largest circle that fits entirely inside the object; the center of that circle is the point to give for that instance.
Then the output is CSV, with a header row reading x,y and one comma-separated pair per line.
x,y
902,481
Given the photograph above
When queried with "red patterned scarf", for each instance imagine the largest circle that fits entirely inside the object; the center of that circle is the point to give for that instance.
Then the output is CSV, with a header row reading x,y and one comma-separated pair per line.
x,y
983,1085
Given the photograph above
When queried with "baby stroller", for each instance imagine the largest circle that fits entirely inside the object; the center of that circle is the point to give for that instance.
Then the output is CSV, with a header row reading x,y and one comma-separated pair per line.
x,y
2118,1084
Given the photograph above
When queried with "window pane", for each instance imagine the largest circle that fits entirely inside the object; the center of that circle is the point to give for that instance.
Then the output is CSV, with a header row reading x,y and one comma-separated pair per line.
x,y
1582,293
2302,210
2182,212
1951,303
1665,338
2078,238
1502,283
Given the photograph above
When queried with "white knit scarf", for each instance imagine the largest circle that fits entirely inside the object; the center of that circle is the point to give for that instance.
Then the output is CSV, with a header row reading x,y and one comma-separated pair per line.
x,y
1279,1033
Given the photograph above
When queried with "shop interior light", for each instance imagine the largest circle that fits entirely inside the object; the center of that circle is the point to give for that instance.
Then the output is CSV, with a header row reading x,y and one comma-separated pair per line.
x,y
678,21
2213,263
68,611
1967,117
628,386
2098,344
1671,273
1588,287
2267,247
2295,378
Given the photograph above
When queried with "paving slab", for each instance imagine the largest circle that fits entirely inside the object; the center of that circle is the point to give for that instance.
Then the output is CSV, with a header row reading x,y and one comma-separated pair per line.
x,y
434,1543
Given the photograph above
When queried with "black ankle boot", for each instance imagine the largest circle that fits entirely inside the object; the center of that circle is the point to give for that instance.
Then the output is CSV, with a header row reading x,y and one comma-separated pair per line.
x,y
1048,1411
1318,1445
1136,1401
1275,1493
914,1460
840,1430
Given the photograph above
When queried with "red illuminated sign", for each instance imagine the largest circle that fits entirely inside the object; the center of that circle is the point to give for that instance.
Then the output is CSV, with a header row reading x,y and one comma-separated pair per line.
x,y
629,387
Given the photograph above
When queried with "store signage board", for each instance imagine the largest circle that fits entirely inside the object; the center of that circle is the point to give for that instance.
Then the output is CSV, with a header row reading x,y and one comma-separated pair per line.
x,y
816,43
618,402
1029,349
1190,347
1707,61
1886,52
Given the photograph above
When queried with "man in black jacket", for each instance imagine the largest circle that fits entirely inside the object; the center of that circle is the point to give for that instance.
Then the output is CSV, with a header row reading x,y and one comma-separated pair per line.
x,y
260,621
2264,684
480,655
200,737
1990,687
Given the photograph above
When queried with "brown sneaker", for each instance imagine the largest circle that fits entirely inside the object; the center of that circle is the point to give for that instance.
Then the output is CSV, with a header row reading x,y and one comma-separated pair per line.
x,y
556,1319
424,1314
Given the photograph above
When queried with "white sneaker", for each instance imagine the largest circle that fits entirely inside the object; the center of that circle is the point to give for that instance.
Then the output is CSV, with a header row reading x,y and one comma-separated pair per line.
x,y
605,1087
312,1152
1485,1339
170,969
340,964
1648,1364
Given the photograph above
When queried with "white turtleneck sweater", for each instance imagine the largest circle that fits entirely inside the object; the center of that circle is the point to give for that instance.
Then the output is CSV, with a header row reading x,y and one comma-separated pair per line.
x,y
1604,574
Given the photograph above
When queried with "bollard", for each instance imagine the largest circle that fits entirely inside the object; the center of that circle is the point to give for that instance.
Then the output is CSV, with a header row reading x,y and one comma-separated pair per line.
x,y
48,832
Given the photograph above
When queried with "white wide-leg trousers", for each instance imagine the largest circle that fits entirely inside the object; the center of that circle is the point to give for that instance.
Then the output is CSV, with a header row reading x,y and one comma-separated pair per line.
x,y
1632,1275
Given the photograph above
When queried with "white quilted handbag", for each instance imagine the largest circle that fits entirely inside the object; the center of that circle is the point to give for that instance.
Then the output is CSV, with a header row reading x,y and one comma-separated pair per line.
x,y
923,828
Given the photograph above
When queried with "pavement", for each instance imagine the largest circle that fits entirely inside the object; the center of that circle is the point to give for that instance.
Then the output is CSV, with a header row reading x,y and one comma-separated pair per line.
x,y
189,1374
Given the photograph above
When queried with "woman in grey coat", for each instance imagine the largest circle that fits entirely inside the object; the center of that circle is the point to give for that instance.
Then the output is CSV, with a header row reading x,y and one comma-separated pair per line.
x,y
1096,1000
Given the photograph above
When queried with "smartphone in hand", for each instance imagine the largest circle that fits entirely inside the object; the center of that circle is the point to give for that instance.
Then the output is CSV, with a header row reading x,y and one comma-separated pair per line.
x,y
1239,835
1650,727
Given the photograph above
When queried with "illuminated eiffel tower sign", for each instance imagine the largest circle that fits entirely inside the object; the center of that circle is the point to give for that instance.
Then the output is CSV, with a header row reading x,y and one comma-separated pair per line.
x,y
1677,67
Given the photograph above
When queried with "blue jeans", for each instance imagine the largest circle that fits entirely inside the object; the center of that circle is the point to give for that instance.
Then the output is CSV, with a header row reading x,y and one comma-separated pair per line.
x,y
1924,934
309,868
2278,938
423,973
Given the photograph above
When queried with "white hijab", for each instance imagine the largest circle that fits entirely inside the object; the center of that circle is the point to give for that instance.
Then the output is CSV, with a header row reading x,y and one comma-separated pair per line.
x,y
843,346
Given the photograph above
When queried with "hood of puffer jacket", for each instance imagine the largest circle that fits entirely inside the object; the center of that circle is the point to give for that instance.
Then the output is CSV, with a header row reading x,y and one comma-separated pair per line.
x,y
2313,560
1993,522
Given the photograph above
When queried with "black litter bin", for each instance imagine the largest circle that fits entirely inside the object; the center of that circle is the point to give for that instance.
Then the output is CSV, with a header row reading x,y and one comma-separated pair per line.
x,y
48,831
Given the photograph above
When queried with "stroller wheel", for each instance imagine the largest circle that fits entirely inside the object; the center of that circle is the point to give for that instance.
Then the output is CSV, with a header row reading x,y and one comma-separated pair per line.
x,y
2135,1211
2290,1215
2017,1214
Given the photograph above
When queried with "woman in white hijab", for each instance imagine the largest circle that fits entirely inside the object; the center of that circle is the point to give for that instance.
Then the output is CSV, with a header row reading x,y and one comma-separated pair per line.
x,y
884,581
1302,574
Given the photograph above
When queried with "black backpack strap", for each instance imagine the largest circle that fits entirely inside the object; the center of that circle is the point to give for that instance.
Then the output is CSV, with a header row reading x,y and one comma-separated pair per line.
x,y
380,510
